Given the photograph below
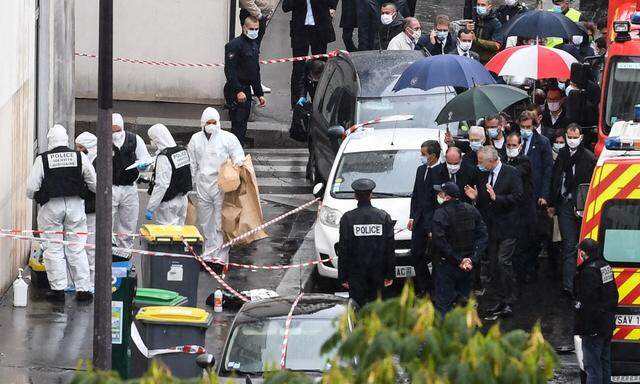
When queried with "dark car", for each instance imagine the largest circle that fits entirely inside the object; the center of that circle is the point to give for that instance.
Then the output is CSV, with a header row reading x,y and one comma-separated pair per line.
x,y
357,87
257,333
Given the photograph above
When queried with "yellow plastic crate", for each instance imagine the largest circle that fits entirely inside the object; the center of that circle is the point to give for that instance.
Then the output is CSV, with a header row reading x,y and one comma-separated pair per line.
x,y
170,233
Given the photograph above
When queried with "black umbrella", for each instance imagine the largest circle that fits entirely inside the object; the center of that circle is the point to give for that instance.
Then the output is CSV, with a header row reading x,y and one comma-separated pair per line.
x,y
480,101
536,23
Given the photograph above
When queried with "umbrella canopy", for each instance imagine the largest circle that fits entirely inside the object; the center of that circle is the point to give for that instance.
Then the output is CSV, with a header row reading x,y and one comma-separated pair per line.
x,y
480,102
532,61
538,23
443,71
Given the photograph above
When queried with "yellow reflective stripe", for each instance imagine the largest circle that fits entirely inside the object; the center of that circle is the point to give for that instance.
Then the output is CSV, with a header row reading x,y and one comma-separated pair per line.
x,y
573,14
594,233
627,287
596,177
635,194
606,169
613,189
633,335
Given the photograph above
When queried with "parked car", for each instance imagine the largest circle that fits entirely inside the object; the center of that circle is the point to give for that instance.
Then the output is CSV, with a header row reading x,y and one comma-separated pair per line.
x,y
357,87
257,333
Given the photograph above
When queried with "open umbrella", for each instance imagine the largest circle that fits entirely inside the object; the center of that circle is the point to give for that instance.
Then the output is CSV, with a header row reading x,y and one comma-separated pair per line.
x,y
538,23
443,71
532,61
480,102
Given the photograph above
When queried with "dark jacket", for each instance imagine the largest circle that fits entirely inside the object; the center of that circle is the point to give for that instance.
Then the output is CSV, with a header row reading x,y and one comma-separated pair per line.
x,y
540,154
584,162
504,13
437,48
348,17
487,34
388,32
466,175
442,227
596,299
561,122
501,216
528,205
423,200
241,65
322,18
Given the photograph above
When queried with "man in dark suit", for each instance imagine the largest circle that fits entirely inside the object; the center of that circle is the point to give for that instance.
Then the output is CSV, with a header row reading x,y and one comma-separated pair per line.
x,y
538,150
455,171
464,43
348,22
498,195
440,41
554,115
574,166
423,204
310,29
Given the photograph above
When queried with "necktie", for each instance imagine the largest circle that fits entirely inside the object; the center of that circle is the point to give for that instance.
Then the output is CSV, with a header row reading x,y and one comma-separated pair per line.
x,y
491,178
426,172
453,178
526,149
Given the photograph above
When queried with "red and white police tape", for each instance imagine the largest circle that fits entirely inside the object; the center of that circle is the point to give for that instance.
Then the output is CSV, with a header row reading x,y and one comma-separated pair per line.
x,y
64,233
287,327
212,65
149,353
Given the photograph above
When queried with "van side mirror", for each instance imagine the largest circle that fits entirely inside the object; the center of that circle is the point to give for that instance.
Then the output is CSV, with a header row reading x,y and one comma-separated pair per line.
x,y
336,131
581,197
318,190
206,361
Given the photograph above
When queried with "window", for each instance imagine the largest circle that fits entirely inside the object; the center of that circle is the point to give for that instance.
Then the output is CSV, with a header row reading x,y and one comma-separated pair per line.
x,y
620,231
623,91
331,99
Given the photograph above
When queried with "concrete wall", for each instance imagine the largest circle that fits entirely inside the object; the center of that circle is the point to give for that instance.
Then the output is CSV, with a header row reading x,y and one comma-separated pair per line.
x,y
192,31
17,109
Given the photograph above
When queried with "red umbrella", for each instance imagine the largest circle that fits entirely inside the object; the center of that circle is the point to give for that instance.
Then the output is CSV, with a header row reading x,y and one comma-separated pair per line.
x,y
532,61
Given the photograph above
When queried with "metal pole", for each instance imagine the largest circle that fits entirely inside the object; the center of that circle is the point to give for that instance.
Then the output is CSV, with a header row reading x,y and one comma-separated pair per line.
x,y
102,301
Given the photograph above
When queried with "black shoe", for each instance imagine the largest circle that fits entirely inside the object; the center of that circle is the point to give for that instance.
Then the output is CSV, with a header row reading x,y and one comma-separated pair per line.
x,y
84,296
505,312
56,295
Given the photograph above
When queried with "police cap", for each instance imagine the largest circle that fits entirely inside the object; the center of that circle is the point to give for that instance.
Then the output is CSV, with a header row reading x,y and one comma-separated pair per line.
x,y
450,188
363,185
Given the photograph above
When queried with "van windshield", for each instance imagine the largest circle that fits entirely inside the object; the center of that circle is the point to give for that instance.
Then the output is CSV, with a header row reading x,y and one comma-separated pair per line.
x,y
392,171
621,231
623,90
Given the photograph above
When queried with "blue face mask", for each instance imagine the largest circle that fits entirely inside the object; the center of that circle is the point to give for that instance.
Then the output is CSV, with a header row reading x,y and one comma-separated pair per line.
x,y
562,86
481,10
557,8
493,132
526,133
424,160
442,35
475,145
482,168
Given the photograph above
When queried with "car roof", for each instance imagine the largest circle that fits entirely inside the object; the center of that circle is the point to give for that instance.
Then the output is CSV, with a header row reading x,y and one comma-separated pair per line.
x,y
310,305
388,139
377,69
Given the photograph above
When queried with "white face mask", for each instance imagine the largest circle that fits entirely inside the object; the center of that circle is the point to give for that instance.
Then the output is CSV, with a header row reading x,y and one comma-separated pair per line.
x,y
440,199
513,152
116,136
211,128
558,146
252,34
416,34
574,143
464,45
386,19
554,107
577,39
453,168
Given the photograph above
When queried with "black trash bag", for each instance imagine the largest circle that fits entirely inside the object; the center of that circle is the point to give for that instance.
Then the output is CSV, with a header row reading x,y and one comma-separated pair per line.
x,y
299,130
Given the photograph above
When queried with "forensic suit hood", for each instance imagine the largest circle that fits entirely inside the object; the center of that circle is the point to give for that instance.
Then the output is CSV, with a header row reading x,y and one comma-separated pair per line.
x,y
161,136
89,141
116,119
57,137
209,113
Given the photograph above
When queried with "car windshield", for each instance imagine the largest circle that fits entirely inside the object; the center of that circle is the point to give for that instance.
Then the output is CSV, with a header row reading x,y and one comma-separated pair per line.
x,y
257,346
621,235
392,171
623,91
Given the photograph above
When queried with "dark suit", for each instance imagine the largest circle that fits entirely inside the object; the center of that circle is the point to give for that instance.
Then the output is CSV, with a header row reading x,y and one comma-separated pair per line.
x,y
423,204
466,175
438,48
348,22
561,122
527,209
308,37
503,219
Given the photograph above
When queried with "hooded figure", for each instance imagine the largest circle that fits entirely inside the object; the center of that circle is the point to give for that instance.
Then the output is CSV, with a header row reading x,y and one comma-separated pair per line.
x,y
87,143
171,179
57,179
208,149
127,149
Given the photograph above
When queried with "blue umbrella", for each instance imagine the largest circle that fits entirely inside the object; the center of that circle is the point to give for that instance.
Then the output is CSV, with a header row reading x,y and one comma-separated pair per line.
x,y
444,71
537,23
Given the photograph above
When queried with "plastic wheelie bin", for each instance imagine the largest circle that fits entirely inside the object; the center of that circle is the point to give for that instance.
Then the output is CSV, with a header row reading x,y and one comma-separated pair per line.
x,y
123,290
154,297
169,327
179,274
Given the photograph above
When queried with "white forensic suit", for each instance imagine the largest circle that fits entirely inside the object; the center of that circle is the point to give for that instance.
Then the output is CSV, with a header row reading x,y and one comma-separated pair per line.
x,y
90,142
60,180
168,201
208,149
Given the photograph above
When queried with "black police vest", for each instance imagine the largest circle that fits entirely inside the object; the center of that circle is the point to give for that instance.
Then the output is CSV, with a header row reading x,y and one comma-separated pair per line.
x,y
62,174
607,291
462,227
180,172
124,157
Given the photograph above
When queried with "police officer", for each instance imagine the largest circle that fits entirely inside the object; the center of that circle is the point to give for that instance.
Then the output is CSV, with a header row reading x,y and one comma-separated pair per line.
x,y
366,248
459,237
596,302
242,70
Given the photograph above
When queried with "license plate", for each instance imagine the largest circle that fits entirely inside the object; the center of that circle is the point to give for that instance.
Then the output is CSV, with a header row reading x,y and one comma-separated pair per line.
x,y
405,271
625,379
628,320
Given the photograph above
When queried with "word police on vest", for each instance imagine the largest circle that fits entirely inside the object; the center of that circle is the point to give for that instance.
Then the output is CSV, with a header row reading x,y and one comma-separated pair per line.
x,y
62,160
180,159
367,230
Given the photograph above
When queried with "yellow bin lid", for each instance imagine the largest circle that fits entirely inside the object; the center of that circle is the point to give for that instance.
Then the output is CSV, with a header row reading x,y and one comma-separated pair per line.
x,y
175,316
170,233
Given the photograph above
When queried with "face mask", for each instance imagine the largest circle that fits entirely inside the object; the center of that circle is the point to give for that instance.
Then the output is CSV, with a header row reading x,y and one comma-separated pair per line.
x,y
482,168
386,19
562,86
526,133
513,152
252,34
554,107
493,132
574,143
570,88
557,8
424,160
481,10
211,128
510,3
442,35
117,136
557,147
577,40
440,200
465,45
416,34
475,145
453,168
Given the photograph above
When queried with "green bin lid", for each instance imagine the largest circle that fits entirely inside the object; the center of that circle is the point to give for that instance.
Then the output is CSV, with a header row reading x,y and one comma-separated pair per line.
x,y
194,317
146,297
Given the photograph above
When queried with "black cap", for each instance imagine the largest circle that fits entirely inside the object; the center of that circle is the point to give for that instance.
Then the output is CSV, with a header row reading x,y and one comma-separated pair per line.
x,y
449,188
363,185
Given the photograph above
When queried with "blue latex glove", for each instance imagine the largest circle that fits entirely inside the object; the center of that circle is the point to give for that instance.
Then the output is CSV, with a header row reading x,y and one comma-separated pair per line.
x,y
148,215
301,101
142,167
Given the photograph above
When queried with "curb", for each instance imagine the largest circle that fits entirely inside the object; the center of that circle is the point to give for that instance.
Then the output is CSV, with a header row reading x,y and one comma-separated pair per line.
x,y
300,279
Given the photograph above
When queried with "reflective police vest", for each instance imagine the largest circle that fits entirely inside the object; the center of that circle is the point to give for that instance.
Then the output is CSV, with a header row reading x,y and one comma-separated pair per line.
x,y
180,172
573,15
62,168
462,225
124,157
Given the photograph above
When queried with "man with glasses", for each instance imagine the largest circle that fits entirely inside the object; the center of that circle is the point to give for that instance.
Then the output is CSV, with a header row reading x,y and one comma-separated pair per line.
x,y
407,40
